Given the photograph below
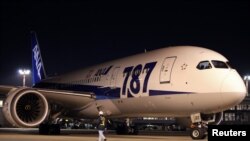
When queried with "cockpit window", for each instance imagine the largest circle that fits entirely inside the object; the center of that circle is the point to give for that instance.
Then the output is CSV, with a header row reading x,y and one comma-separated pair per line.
x,y
219,64
204,65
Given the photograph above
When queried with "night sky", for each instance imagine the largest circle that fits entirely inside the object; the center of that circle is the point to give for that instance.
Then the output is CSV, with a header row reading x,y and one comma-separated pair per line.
x,y
75,34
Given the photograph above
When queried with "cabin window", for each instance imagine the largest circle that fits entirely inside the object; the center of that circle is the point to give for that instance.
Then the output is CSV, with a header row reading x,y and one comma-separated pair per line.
x,y
219,64
204,65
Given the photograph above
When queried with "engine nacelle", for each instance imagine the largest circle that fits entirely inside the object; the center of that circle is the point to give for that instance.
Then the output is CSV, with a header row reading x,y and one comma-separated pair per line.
x,y
25,107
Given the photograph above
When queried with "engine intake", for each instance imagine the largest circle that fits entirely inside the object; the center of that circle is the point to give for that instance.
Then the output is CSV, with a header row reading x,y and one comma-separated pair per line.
x,y
25,107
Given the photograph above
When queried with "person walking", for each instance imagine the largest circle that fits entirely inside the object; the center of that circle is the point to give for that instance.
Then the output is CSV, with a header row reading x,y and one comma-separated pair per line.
x,y
101,126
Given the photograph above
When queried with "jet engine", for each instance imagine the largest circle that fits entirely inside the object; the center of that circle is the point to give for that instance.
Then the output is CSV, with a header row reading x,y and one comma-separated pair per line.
x,y
25,107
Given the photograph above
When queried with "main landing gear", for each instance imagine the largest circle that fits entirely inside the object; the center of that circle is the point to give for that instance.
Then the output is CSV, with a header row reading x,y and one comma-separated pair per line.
x,y
51,126
126,128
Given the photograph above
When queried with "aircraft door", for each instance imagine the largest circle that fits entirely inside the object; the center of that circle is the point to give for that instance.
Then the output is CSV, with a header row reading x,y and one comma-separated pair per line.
x,y
166,69
114,76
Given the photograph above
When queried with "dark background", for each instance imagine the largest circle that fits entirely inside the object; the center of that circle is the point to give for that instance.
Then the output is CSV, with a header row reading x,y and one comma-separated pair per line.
x,y
75,34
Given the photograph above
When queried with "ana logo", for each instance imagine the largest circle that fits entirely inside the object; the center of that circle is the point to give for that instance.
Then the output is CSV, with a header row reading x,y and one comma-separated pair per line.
x,y
103,71
37,58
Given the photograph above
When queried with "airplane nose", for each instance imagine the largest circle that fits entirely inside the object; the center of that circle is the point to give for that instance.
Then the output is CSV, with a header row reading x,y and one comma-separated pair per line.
x,y
233,89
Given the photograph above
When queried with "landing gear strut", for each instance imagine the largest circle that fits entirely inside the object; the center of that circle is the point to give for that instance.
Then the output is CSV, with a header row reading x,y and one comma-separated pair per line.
x,y
51,126
126,128
198,128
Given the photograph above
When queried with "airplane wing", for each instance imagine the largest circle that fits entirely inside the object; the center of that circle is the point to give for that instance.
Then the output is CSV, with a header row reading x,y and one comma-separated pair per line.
x,y
68,99
4,90
29,107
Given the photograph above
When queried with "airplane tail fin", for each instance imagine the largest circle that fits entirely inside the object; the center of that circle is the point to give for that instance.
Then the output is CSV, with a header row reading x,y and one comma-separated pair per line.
x,y
38,70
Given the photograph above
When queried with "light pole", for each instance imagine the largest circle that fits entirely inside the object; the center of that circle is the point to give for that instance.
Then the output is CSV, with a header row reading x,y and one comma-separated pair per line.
x,y
247,78
24,72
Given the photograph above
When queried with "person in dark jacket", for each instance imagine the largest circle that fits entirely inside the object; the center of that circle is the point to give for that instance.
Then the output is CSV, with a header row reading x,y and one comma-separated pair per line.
x,y
101,126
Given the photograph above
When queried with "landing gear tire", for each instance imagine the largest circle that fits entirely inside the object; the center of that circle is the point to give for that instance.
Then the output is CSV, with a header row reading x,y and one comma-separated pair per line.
x,y
198,133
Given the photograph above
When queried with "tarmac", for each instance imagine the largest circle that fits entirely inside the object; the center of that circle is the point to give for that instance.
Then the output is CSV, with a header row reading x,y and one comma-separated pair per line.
x,y
20,134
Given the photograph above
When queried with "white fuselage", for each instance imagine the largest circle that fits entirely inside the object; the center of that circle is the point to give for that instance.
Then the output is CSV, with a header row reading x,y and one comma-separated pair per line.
x,y
164,82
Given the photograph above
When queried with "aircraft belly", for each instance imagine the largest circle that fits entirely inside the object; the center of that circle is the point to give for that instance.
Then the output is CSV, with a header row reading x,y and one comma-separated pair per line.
x,y
107,106
205,102
154,106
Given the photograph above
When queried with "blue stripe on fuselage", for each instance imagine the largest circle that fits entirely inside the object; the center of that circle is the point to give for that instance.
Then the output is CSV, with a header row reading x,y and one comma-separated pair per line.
x,y
100,91
159,92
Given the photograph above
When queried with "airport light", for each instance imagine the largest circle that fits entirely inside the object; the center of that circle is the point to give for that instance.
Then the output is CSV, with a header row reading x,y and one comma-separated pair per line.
x,y
24,72
247,77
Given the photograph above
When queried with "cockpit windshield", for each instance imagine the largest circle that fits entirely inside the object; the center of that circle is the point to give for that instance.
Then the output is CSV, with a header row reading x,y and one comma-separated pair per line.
x,y
219,64
204,65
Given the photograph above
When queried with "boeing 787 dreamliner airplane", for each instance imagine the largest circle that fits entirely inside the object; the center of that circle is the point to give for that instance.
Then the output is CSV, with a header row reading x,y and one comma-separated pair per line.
x,y
186,82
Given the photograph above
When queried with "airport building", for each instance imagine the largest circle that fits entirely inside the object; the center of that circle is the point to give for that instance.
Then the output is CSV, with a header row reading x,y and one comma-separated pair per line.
x,y
239,114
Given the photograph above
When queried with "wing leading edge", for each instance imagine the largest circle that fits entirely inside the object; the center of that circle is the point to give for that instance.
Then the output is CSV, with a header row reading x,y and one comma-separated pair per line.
x,y
67,99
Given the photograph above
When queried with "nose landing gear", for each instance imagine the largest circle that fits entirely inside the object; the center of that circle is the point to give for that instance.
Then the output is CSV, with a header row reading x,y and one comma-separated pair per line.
x,y
198,128
198,131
